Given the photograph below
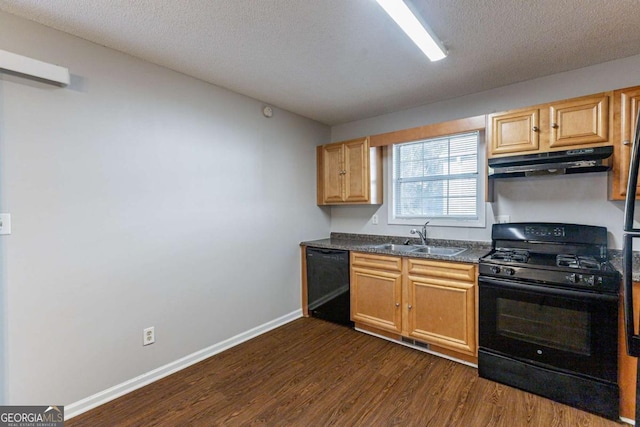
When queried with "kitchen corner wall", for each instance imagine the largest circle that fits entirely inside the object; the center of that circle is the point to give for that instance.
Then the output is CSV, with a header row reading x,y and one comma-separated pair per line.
x,y
575,199
139,197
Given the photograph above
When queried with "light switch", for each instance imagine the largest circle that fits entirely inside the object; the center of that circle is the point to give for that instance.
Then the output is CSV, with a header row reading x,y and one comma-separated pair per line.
x,y
5,223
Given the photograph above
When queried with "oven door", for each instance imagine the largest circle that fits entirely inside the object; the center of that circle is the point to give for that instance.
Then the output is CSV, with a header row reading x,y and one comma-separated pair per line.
x,y
563,329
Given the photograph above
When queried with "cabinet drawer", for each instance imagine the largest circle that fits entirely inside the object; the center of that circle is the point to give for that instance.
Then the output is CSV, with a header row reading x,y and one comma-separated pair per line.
x,y
384,262
442,269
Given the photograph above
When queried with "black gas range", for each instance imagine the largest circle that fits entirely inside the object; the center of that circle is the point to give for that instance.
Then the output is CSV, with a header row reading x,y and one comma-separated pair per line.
x,y
561,255
548,314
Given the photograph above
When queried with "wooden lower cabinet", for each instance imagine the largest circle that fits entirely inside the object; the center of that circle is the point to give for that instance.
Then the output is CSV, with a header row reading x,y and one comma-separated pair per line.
x,y
433,302
376,291
441,304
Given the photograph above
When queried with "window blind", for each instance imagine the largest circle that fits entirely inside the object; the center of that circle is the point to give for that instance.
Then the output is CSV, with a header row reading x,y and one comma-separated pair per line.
x,y
437,178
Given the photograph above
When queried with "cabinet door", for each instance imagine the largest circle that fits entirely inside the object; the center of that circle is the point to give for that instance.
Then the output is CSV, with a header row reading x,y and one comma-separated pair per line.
x,y
333,173
376,295
625,107
582,121
441,304
356,183
442,313
349,172
514,132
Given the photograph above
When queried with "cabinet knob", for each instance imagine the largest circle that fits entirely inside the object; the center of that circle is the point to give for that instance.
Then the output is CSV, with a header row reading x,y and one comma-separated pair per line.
x,y
535,129
409,306
626,142
554,125
397,304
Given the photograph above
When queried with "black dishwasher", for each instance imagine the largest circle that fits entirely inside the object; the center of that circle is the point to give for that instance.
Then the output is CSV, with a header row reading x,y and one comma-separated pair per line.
x,y
328,285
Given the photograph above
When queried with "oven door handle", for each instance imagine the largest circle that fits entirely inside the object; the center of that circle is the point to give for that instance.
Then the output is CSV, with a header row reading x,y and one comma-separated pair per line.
x,y
567,293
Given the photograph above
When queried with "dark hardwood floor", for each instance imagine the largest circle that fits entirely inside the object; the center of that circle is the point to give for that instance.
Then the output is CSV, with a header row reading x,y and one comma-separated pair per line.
x,y
313,373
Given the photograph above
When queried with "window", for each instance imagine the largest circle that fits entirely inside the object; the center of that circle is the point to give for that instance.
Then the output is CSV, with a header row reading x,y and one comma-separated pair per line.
x,y
437,179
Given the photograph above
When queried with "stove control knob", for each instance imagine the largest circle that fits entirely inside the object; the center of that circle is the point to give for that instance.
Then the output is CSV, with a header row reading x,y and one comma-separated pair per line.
x,y
509,271
573,278
495,269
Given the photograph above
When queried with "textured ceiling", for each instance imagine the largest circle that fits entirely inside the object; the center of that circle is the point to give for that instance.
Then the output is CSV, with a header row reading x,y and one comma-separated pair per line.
x,y
337,61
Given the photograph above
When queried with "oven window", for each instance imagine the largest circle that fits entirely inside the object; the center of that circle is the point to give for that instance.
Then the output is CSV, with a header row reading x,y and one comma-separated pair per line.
x,y
556,327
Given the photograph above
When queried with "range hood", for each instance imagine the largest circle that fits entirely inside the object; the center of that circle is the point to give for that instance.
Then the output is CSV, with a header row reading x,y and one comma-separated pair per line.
x,y
580,160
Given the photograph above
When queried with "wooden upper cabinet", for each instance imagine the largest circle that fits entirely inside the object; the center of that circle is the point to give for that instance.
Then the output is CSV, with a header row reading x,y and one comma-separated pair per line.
x,y
349,172
625,111
514,132
332,175
580,121
573,123
356,171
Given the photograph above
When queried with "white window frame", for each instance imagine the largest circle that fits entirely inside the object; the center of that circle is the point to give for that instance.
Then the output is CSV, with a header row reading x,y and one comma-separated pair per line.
x,y
478,222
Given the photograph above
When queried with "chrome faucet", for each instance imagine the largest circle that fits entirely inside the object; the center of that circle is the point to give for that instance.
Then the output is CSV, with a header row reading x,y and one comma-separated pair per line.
x,y
422,234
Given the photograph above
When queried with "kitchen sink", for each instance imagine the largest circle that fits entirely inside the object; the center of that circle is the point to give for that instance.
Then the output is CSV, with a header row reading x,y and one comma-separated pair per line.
x,y
439,250
394,247
431,250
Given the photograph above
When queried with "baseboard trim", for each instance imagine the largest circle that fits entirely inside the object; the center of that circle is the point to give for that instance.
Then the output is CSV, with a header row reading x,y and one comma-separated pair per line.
x,y
628,421
121,389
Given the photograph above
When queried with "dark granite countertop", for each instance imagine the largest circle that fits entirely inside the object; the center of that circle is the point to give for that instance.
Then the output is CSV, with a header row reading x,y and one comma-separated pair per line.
x,y
475,250
363,242
615,257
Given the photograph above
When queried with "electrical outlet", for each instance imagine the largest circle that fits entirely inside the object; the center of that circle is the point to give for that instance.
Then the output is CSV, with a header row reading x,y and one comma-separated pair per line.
x,y
149,336
374,220
501,219
5,223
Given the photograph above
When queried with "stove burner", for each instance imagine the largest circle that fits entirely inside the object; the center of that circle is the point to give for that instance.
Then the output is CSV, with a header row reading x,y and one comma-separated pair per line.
x,y
568,256
511,255
573,261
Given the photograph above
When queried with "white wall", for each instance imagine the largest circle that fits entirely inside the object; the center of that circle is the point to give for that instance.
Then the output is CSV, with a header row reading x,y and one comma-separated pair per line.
x,y
577,199
139,197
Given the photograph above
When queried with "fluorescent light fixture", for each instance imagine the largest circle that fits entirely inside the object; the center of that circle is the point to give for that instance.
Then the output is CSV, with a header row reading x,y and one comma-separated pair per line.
x,y
33,68
418,32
